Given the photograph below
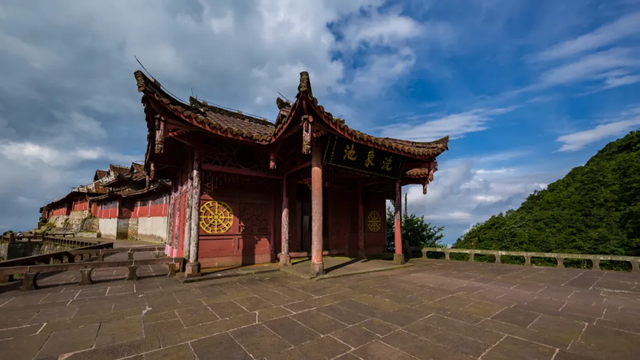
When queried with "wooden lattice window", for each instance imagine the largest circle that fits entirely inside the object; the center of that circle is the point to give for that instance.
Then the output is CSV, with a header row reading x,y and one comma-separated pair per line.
x,y
253,218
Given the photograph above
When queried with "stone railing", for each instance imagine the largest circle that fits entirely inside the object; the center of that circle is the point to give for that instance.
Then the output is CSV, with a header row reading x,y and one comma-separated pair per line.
x,y
85,250
595,259
31,273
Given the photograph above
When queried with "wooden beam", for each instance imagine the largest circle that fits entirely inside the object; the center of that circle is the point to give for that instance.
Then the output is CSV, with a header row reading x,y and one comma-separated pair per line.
x,y
299,167
229,170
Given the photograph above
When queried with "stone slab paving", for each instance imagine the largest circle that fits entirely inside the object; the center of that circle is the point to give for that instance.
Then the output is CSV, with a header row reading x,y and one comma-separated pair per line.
x,y
341,266
434,310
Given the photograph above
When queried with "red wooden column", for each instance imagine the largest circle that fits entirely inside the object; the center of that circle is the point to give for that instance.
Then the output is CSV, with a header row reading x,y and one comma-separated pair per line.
x,y
398,257
193,266
285,259
317,265
361,252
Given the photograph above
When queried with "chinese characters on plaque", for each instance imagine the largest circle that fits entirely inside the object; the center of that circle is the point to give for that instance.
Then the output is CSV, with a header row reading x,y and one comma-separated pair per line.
x,y
354,156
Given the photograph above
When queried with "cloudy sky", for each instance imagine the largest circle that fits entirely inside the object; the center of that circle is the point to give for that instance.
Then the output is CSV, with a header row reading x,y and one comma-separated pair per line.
x,y
526,89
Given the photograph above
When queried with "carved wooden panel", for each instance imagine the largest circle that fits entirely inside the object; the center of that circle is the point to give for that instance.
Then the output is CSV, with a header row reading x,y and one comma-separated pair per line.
x,y
254,218
235,156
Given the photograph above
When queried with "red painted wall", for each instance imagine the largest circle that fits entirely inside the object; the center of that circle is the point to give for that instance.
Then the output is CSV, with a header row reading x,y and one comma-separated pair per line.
x,y
131,208
108,209
80,205
60,210
248,239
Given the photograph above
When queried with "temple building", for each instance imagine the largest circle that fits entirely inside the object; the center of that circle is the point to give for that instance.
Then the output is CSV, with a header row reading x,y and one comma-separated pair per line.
x,y
246,190
120,203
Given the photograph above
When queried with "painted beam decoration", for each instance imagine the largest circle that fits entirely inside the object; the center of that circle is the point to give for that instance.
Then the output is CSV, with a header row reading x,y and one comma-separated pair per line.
x,y
347,154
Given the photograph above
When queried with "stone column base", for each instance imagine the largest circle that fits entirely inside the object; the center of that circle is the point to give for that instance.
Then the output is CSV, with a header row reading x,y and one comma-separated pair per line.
x,y
285,260
192,269
317,269
398,259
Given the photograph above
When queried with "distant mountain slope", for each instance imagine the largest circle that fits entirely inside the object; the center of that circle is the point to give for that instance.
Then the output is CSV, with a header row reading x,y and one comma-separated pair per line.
x,y
594,209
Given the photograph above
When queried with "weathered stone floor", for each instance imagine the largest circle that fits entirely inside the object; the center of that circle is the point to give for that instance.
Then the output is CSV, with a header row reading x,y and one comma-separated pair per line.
x,y
434,310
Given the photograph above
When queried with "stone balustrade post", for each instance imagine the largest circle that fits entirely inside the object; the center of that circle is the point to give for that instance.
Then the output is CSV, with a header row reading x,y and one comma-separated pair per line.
x,y
596,264
527,260
560,261
471,256
132,274
498,258
29,281
446,255
129,255
635,265
172,269
424,253
85,276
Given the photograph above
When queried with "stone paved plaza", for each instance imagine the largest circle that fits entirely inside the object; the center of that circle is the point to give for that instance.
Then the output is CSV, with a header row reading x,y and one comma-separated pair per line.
x,y
434,310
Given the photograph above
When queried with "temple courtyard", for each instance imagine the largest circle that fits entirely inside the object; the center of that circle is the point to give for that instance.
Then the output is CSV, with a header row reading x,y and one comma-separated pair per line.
x,y
434,309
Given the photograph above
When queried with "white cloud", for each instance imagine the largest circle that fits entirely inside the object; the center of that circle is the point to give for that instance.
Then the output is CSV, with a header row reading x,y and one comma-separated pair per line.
x,y
494,171
31,154
591,67
607,34
454,125
381,29
487,198
612,82
578,140
381,70
463,193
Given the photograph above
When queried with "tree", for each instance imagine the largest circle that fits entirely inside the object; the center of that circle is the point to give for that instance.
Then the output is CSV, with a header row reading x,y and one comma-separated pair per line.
x,y
415,231
594,209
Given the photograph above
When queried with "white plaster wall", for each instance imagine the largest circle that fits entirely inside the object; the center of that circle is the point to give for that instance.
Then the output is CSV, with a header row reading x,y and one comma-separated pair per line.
x,y
152,228
108,227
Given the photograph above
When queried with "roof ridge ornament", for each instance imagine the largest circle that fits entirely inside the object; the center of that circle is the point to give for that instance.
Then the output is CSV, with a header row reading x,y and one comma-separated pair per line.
x,y
305,84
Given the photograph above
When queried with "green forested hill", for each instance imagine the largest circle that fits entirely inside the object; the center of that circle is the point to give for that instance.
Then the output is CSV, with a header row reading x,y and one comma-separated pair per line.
x,y
595,209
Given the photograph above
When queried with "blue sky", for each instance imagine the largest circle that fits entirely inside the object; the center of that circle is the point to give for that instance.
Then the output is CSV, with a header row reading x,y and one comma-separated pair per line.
x,y
527,90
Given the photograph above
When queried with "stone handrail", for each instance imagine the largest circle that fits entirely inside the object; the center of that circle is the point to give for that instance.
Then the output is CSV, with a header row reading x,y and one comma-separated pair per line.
x,y
595,259
31,272
89,248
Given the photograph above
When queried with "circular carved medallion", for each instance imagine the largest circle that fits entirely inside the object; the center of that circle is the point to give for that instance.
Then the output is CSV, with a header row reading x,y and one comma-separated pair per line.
x,y
374,221
216,217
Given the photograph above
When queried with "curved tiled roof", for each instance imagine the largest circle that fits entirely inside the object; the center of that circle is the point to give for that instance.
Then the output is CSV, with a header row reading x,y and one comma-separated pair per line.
x,y
119,169
417,173
100,174
238,125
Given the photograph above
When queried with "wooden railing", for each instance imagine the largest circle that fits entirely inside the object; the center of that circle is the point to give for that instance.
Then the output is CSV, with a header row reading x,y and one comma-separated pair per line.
x,y
595,259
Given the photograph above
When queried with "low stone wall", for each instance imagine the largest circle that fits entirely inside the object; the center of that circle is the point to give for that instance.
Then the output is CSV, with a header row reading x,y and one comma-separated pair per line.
x,y
58,220
595,259
90,225
4,246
